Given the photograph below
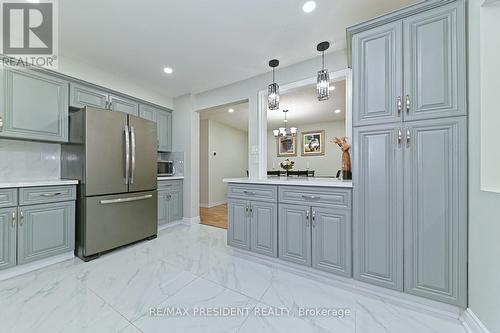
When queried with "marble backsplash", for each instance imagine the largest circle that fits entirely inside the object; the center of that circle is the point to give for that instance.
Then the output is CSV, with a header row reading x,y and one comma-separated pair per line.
x,y
26,160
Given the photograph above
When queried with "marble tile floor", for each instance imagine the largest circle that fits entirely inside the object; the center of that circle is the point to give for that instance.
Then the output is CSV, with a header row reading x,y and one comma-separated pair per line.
x,y
187,280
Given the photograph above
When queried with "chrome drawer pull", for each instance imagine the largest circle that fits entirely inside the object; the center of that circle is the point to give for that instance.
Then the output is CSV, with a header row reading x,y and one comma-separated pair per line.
x,y
120,200
249,192
48,195
310,197
399,105
408,104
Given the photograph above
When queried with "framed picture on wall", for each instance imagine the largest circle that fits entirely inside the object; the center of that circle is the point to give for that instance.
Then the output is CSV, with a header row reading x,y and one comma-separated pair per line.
x,y
313,143
287,146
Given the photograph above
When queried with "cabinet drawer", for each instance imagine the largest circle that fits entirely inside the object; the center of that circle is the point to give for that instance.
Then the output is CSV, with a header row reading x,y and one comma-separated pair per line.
x,y
253,192
317,196
37,195
8,197
169,184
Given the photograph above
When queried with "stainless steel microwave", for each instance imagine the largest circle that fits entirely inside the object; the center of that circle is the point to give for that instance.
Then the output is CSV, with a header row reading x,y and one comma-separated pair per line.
x,y
166,168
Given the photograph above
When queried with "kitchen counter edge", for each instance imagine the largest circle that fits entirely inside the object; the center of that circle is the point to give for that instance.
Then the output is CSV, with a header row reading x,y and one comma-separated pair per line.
x,y
170,178
313,182
35,183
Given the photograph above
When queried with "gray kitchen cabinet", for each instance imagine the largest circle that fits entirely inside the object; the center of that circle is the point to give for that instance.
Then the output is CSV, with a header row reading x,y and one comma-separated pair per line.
x,y
264,228
45,230
378,205
331,240
8,233
377,75
34,105
238,228
164,123
435,209
434,63
294,234
82,96
163,120
123,104
170,201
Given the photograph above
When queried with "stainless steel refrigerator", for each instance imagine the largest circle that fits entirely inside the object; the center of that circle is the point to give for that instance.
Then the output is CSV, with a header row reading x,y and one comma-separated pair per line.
x,y
114,155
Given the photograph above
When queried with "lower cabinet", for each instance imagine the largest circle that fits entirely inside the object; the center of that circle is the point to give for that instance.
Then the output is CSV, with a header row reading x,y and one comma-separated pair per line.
x,y
316,236
30,232
170,202
253,225
45,230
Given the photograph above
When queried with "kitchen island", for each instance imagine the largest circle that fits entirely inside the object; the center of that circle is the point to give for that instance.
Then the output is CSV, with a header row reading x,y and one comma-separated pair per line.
x,y
306,221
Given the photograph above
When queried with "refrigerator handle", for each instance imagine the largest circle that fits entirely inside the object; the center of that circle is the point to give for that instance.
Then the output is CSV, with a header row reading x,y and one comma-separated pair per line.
x,y
132,140
127,154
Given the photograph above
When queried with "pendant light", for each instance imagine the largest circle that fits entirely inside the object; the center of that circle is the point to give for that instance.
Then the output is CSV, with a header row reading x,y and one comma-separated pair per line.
x,y
273,91
283,131
323,83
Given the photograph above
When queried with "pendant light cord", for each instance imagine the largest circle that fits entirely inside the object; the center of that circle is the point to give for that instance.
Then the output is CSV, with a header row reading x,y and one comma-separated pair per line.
x,y
323,59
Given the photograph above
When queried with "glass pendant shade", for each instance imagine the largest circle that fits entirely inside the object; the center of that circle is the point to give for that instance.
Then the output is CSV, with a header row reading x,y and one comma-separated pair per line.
x,y
323,85
293,131
273,96
282,131
276,133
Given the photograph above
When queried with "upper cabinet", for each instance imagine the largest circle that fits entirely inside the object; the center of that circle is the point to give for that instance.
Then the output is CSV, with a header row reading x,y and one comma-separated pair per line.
x,y
163,120
122,104
434,64
411,68
377,75
82,96
33,105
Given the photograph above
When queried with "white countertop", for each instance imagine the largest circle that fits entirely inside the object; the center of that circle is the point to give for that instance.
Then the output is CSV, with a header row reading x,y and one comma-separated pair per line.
x,y
171,178
33,183
311,181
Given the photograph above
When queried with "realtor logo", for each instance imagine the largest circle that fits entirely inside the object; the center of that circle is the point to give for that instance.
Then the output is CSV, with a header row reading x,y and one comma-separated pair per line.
x,y
29,31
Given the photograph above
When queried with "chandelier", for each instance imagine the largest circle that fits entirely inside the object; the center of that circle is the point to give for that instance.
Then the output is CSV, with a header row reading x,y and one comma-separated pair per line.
x,y
284,131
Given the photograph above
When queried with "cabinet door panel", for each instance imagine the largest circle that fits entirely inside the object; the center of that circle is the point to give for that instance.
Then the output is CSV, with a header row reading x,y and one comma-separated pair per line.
x,y
45,231
238,231
378,206
122,104
8,232
264,228
377,75
435,63
175,204
331,240
164,128
35,106
162,207
294,234
436,210
81,96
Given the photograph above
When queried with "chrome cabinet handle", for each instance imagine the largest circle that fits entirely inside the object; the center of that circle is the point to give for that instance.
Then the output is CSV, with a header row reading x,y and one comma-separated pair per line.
x,y
13,219
127,154
132,140
310,197
408,136
307,218
249,192
251,211
21,220
110,105
400,136
48,195
120,200
400,105
247,209
408,104
1,123
314,219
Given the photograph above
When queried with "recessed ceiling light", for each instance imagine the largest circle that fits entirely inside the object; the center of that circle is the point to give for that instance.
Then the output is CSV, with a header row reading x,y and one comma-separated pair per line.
x,y
332,88
309,6
168,70
230,110
337,111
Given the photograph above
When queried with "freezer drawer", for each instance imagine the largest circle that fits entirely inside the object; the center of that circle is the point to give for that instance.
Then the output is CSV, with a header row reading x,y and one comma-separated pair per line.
x,y
115,220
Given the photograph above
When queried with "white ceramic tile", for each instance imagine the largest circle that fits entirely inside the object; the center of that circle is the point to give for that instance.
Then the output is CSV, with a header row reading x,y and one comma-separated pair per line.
x,y
198,294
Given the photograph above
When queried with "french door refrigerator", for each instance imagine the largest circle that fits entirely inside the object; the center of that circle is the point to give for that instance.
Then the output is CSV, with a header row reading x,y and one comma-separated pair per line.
x,y
114,156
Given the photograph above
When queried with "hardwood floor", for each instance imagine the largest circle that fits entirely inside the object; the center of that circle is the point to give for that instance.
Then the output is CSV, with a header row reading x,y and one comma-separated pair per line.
x,y
215,216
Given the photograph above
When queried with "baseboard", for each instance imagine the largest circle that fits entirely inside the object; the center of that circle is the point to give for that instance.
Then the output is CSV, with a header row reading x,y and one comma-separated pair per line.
x,y
168,225
33,266
412,302
191,220
214,204
472,323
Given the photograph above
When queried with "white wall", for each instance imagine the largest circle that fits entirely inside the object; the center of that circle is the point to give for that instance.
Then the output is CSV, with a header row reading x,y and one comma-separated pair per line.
x,y
186,119
484,207
115,81
326,165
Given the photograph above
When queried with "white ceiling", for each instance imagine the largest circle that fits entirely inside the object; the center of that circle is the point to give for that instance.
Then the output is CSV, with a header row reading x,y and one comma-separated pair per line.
x,y
302,105
207,43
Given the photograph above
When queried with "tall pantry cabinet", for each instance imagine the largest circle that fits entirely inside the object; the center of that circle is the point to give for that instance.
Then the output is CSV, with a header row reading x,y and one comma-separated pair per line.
x,y
410,151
